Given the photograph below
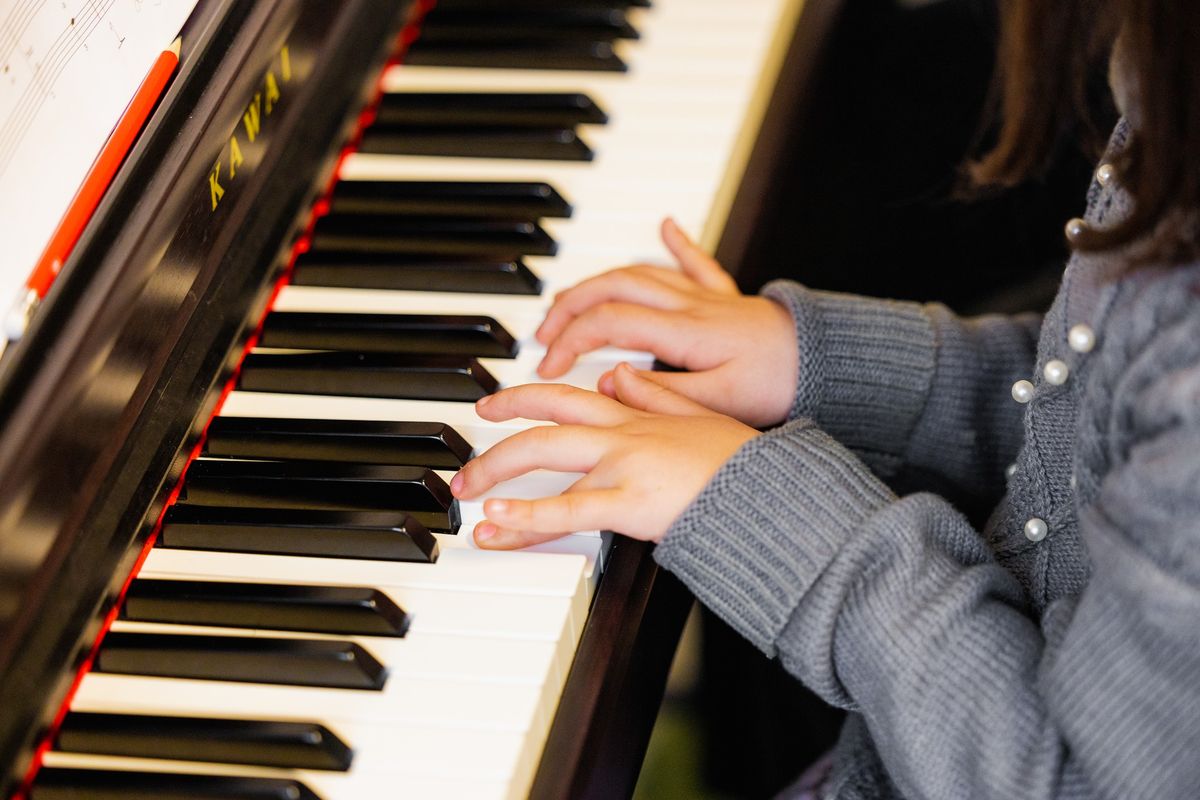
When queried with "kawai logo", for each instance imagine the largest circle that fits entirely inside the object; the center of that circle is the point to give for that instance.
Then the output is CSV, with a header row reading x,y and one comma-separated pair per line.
x,y
257,111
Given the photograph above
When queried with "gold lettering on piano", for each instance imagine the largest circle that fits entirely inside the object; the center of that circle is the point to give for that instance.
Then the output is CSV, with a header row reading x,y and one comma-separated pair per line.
x,y
272,90
214,185
252,119
251,124
235,157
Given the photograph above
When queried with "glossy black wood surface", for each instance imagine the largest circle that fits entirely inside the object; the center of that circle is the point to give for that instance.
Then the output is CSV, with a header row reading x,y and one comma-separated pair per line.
x,y
101,399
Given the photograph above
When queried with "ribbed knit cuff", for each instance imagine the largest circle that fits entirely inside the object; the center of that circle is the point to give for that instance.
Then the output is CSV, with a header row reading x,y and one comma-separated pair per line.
x,y
768,523
866,365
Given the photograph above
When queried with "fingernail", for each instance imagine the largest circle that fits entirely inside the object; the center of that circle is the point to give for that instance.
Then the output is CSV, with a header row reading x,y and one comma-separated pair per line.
x,y
456,484
483,401
485,531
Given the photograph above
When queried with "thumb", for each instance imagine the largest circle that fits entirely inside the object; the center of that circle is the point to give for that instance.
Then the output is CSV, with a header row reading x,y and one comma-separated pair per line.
x,y
641,391
697,264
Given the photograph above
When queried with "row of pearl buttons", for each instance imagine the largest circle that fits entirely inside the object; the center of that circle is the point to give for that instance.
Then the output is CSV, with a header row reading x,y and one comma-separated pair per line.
x,y
1080,338
1076,227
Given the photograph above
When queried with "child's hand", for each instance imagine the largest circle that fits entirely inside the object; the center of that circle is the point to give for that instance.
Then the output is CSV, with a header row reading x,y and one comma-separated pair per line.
x,y
645,461
740,351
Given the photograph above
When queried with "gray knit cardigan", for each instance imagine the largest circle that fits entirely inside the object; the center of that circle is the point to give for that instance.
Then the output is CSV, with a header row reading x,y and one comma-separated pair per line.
x,y
1000,663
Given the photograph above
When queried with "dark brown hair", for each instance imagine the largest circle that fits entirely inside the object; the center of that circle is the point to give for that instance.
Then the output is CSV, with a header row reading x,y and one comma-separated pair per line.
x,y
1049,49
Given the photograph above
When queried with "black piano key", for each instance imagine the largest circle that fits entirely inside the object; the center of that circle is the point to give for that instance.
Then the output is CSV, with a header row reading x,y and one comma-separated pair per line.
x,y
295,745
62,783
528,201
416,274
316,485
324,663
446,236
344,610
368,535
385,375
543,144
544,54
487,109
429,444
439,334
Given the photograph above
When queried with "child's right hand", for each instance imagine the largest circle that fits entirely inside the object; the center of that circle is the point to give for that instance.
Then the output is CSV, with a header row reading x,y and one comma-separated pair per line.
x,y
740,351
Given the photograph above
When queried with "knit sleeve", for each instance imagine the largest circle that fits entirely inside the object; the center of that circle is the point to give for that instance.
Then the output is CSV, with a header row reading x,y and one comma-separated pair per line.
x,y
912,389
895,608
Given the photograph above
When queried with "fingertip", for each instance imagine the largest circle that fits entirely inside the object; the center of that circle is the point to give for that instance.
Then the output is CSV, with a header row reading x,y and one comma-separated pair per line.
x,y
456,484
485,534
549,367
605,385
488,408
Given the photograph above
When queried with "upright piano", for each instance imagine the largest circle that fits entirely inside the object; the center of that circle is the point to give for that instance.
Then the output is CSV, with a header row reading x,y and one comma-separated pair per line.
x,y
229,563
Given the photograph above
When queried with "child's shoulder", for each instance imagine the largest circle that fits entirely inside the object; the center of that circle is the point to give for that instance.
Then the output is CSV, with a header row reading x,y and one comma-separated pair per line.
x,y
1148,358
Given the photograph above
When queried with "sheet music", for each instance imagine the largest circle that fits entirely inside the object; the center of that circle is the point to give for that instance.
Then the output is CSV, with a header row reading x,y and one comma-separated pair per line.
x,y
68,68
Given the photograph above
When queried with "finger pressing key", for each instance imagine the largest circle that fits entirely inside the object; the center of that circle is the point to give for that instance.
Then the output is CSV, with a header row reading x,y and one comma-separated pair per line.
x,y
569,448
553,402
622,285
518,523
627,325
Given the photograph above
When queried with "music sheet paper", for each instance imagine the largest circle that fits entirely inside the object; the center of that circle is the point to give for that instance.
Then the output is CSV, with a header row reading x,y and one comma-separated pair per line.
x,y
68,68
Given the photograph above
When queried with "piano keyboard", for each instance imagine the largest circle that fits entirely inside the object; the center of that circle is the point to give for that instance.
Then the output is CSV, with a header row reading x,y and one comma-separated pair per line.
x,y
296,634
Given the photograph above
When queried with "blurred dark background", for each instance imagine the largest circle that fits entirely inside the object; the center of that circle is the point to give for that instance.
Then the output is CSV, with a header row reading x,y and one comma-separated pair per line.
x,y
863,200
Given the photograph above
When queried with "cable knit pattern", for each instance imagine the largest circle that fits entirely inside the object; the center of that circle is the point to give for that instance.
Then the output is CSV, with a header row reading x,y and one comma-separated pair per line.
x,y
980,664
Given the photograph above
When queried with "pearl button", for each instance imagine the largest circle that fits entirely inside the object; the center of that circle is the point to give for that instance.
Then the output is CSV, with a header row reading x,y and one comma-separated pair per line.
x,y
1010,470
1036,530
1081,338
1075,228
1105,174
1056,372
1022,391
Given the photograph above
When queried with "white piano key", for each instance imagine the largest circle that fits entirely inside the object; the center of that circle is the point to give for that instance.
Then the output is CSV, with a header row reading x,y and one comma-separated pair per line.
x,y
520,315
539,618
417,655
592,545
658,183
462,570
461,416
412,701
392,749
442,612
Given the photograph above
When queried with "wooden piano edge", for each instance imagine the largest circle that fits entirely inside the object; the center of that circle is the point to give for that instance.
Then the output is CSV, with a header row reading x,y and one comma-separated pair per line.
x,y
615,687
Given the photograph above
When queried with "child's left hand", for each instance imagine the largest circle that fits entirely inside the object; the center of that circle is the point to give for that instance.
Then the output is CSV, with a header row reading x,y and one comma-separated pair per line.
x,y
646,458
